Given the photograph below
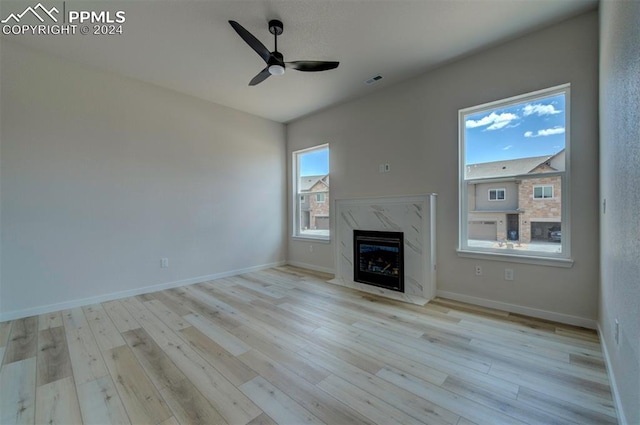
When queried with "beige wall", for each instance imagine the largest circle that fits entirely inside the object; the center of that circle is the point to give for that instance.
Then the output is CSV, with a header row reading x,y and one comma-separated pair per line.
x,y
619,183
102,176
413,127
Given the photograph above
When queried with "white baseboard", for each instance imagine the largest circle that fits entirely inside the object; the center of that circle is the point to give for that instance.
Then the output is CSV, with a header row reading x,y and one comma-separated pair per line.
x,y
311,267
527,311
34,311
622,420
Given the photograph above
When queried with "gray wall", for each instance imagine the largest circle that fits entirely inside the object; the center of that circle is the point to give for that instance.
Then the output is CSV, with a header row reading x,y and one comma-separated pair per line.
x,y
482,197
620,186
413,126
102,176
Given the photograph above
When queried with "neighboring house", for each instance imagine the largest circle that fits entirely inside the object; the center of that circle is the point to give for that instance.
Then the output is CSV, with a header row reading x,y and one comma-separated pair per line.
x,y
314,202
515,208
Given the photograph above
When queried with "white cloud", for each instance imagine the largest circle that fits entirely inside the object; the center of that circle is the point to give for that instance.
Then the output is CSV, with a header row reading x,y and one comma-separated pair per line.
x,y
493,120
540,110
506,148
545,132
551,131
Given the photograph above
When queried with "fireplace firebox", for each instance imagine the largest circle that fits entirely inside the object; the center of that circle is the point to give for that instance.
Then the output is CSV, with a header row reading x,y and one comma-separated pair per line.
x,y
378,259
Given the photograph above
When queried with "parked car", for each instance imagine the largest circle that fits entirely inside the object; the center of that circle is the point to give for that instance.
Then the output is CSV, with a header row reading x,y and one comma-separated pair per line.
x,y
555,236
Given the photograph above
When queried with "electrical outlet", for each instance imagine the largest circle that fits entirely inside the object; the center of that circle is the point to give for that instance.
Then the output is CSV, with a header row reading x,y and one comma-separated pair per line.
x,y
310,248
616,332
478,270
508,274
164,263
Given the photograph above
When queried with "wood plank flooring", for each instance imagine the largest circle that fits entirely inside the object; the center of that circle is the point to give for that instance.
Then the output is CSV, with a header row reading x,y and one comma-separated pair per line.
x,y
282,346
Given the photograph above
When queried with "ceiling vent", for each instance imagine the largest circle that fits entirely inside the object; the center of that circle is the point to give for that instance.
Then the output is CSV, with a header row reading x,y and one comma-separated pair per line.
x,y
373,80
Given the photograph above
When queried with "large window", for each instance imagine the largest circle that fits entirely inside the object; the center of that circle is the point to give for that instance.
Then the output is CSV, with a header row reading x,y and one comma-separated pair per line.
x,y
311,193
517,151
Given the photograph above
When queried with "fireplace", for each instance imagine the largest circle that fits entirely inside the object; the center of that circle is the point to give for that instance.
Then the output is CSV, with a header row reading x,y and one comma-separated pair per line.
x,y
378,259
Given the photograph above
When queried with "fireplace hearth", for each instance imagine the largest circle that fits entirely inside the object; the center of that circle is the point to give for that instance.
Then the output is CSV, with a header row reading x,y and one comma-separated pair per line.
x,y
379,259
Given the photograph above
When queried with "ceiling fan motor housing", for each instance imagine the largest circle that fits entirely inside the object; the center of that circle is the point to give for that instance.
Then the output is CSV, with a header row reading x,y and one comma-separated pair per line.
x,y
276,59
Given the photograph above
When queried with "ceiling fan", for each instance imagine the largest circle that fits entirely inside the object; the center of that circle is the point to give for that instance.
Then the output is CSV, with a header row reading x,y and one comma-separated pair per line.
x,y
274,60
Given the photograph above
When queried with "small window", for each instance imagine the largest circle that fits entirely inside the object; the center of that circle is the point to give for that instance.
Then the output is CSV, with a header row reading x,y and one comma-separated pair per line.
x,y
496,194
311,181
543,192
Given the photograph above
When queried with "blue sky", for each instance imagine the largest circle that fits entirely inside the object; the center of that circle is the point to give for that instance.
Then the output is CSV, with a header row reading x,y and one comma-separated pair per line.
x,y
532,128
314,163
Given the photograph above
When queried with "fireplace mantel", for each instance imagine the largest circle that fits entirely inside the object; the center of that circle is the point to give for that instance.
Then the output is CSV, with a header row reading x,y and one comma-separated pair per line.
x,y
412,215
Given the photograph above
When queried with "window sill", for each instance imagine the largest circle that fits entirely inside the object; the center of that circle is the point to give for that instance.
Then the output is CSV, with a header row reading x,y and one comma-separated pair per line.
x,y
318,239
529,259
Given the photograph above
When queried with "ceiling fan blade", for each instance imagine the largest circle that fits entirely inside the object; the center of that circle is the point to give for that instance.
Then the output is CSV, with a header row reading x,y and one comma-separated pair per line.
x,y
263,75
312,66
253,42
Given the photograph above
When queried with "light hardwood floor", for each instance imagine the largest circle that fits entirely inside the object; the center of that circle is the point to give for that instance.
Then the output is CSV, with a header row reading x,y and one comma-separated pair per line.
x,y
282,346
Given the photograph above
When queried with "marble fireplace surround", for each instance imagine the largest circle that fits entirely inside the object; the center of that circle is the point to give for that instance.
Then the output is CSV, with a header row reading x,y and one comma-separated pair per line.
x,y
412,215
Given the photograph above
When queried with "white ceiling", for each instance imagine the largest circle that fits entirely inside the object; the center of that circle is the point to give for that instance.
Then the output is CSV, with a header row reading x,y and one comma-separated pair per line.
x,y
189,46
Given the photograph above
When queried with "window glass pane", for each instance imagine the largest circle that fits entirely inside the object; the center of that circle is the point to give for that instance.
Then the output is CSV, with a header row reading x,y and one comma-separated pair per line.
x,y
519,145
312,179
515,139
524,225
537,192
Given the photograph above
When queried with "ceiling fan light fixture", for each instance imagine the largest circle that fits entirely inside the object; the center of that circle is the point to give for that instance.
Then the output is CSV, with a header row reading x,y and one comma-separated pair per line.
x,y
276,69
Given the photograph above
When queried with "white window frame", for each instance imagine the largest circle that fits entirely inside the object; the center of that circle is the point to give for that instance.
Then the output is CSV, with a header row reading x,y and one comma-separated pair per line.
x,y
296,196
562,259
324,197
504,194
543,186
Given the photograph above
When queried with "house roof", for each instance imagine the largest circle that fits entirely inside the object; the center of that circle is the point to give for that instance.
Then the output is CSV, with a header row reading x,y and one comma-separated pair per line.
x,y
307,182
512,167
